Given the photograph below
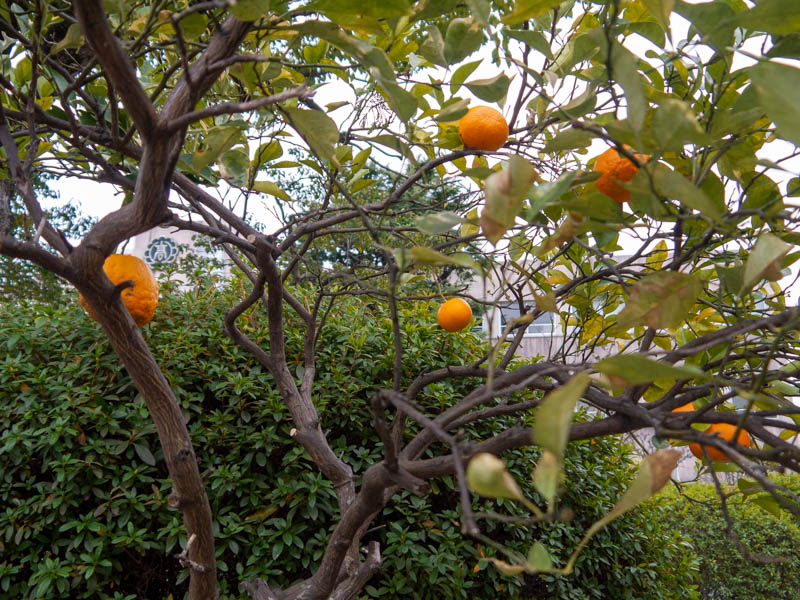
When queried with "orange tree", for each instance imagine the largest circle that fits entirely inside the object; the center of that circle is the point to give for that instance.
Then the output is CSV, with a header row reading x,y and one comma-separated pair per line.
x,y
675,295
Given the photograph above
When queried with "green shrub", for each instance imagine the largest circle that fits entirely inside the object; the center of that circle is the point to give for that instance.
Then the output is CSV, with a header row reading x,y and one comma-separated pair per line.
x,y
83,510
725,574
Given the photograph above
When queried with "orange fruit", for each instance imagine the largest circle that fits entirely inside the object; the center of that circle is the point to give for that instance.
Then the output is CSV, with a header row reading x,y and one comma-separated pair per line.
x,y
454,315
483,128
685,408
615,168
725,431
142,298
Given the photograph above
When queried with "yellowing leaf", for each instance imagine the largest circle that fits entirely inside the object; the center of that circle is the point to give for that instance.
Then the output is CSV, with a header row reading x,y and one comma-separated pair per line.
x,y
637,368
271,188
528,9
505,192
764,260
554,415
660,300
318,129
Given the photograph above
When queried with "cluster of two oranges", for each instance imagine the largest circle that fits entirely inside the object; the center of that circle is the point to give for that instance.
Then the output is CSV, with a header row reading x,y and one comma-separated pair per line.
x,y
485,128
482,128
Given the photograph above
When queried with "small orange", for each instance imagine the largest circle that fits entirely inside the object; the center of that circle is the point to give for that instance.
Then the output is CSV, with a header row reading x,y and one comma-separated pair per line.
x,y
615,168
142,298
725,431
483,128
454,315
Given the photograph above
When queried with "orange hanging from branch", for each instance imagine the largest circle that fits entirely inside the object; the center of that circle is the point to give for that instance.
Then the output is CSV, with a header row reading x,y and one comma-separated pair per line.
x,y
726,432
483,128
141,299
454,315
615,169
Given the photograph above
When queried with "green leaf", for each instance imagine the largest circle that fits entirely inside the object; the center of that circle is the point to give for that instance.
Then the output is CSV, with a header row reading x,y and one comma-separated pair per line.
x,y
236,164
72,39
361,8
479,9
793,187
505,193
217,141
454,111
569,139
660,9
427,256
488,477
672,184
661,300
747,486
625,65
194,25
715,21
554,415
547,193
528,9
731,278
493,89
675,124
637,368
547,475
773,16
534,39
393,142
579,106
767,503
318,129
433,47
267,152
249,10
463,37
438,223
403,103
777,86
144,453
461,73
362,51
539,560
764,260
271,188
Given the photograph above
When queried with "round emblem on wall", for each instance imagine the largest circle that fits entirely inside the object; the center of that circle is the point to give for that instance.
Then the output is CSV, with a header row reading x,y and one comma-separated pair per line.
x,y
161,250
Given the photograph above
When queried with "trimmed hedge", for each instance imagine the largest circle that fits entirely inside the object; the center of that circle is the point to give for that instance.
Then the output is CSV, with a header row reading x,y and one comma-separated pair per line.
x,y
725,574
83,510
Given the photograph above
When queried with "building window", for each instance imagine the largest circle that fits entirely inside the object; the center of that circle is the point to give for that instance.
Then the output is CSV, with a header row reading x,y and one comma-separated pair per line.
x,y
545,324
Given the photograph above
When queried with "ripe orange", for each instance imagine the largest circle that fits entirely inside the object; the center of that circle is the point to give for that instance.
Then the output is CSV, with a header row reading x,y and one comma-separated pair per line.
x,y
142,298
685,408
615,168
725,431
483,128
454,315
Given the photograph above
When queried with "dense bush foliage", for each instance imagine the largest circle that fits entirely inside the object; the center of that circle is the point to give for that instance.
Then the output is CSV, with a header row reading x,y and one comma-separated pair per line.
x,y
84,489
724,573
